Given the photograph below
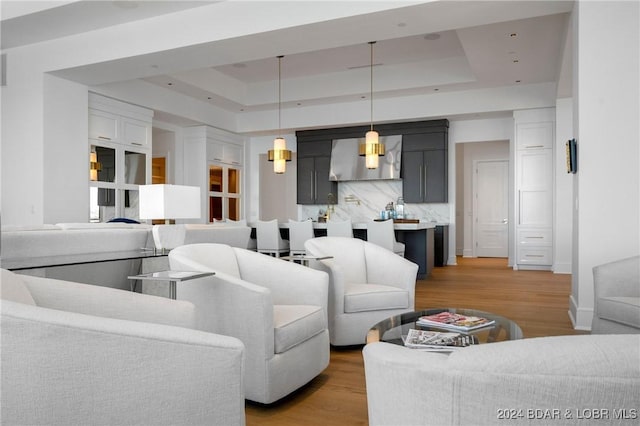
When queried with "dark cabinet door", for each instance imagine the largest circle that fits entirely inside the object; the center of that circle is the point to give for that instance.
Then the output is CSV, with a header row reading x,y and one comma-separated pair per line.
x,y
435,176
323,186
412,177
424,176
313,181
305,181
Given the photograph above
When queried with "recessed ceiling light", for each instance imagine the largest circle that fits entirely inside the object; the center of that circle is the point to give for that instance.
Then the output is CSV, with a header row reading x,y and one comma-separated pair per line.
x,y
432,36
515,61
241,109
513,35
517,81
299,103
154,66
402,24
209,97
363,97
169,84
436,89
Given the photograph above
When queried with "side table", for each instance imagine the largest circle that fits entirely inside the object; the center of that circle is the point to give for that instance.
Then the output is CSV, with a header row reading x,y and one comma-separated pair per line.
x,y
173,277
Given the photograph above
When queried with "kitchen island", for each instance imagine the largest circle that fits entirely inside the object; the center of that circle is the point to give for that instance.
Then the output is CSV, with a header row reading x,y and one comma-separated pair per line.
x,y
418,239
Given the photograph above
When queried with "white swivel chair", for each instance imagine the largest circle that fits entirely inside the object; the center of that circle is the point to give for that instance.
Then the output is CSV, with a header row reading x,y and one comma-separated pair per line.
x,y
366,285
299,233
269,240
340,228
383,234
277,309
85,354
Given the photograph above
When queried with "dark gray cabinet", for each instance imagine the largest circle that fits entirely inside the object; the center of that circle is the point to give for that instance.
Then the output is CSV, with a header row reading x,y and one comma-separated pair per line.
x,y
424,168
313,184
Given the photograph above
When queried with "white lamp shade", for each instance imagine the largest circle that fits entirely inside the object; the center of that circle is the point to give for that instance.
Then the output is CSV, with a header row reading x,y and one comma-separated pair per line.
x,y
371,156
169,202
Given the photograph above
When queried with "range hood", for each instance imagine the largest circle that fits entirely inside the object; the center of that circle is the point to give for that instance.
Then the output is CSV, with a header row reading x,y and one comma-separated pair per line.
x,y
347,164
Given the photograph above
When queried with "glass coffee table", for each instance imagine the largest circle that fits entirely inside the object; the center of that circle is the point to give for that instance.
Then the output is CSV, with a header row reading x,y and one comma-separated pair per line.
x,y
392,330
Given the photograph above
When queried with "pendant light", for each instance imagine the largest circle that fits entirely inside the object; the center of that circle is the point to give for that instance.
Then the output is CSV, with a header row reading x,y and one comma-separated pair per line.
x,y
371,149
279,154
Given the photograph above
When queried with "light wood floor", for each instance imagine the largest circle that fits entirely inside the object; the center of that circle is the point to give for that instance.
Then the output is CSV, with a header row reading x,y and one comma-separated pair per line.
x,y
537,300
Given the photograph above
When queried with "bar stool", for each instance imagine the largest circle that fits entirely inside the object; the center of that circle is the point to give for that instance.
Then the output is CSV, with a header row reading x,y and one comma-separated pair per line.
x,y
269,240
299,233
382,233
342,228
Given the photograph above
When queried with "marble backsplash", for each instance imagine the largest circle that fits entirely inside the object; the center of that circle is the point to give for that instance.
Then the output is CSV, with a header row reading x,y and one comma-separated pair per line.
x,y
363,200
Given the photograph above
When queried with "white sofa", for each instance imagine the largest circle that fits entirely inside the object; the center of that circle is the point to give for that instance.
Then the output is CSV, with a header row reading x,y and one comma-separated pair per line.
x,y
617,297
82,252
278,309
234,234
88,355
563,380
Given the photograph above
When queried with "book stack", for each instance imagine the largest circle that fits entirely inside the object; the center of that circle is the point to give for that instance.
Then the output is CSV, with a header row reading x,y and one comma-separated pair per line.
x,y
452,321
438,341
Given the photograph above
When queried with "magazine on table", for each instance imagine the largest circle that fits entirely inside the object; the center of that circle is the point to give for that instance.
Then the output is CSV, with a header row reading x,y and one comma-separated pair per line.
x,y
454,321
438,341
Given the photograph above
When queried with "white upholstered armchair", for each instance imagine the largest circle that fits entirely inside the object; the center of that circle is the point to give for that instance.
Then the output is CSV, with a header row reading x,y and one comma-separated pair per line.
x,y
83,354
367,284
278,309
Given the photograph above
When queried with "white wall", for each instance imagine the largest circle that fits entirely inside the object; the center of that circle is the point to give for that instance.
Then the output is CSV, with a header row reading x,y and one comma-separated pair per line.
x,y
606,111
563,196
66,152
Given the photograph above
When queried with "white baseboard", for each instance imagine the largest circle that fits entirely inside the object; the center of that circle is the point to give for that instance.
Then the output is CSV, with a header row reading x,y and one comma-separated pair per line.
x,y
562,268
580,317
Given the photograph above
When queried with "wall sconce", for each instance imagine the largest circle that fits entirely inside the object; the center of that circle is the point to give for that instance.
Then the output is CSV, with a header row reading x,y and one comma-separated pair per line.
x,y
279,154
94,166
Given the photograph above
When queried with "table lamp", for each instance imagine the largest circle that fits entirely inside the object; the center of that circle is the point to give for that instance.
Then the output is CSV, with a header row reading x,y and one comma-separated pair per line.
x,y
169,202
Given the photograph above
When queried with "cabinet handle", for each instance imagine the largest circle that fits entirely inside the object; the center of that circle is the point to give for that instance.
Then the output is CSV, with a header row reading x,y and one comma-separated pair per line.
x,y
536,238
315,185
136,143
534,146
104,138
425,183
421,182
533,255
519,207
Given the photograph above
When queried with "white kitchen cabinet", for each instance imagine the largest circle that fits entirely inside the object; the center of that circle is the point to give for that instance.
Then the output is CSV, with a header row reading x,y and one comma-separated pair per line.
x,y
119,122
120,147
534,138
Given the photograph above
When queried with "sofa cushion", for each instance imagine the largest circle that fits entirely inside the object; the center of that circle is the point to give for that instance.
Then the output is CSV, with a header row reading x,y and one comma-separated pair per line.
x,y
294,324
625,310
374,297
13,288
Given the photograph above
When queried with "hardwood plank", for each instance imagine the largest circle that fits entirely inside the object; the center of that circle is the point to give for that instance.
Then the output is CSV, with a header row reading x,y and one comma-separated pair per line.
x,y
537,300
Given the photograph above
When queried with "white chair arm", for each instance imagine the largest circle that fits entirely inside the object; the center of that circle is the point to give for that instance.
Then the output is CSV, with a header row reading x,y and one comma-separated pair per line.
x,y
109,302
289,282
69,368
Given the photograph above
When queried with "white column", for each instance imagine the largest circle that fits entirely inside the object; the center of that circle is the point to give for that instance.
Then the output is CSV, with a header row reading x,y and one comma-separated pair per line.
x,y
606,111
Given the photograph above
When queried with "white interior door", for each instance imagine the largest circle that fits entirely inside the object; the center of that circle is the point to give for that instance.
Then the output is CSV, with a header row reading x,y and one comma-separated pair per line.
x,y
492,208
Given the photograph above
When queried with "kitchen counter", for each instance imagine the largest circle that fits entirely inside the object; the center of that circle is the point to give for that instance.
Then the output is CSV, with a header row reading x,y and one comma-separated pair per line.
x,y
418,239
363,225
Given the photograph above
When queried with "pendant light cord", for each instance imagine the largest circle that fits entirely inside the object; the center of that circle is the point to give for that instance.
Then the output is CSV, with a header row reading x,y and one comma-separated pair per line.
x,y
280,95
371,43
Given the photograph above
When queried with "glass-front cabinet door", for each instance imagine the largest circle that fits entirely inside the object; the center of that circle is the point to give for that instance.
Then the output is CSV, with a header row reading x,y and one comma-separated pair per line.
x,y
224,192
115,173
